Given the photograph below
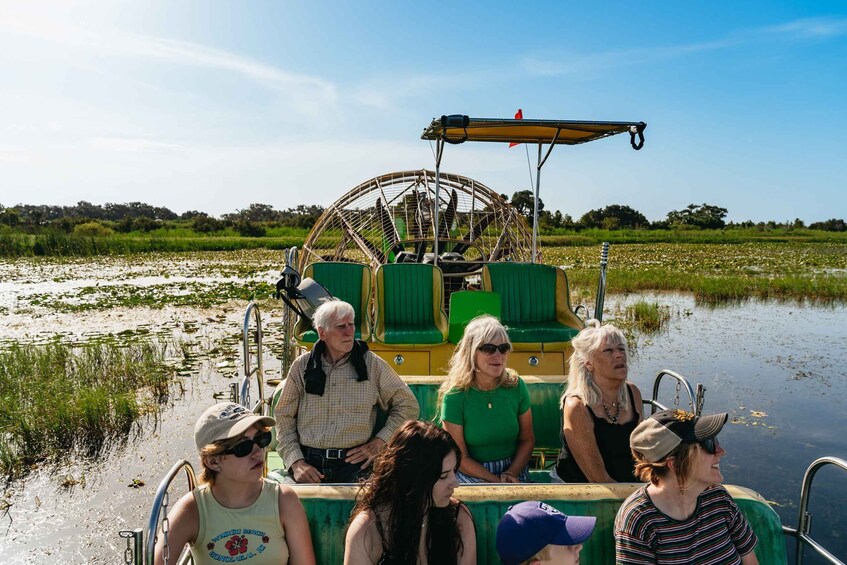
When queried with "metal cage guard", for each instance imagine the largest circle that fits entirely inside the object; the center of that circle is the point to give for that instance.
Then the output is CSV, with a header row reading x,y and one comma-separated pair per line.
x,y
252,349
695,400
804,521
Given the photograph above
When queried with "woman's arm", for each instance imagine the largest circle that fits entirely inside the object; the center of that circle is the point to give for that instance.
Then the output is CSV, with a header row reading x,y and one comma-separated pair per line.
x,y
469,466
750,559
636,398
525,445
359,544
579,433
467,532
292,516
183,525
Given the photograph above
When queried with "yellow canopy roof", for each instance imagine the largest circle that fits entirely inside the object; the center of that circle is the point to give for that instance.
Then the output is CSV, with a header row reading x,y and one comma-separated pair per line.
x,y
458,128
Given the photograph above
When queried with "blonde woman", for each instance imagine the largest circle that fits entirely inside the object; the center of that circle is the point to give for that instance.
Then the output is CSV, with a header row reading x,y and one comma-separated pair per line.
x,y
600,408
235,515
485,407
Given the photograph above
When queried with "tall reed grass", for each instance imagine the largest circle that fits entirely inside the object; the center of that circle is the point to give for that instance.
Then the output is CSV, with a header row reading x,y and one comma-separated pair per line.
x,y
59,399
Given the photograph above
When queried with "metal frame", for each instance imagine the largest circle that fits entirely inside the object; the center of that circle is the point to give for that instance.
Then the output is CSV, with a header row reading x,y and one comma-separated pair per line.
x,y
802,534
249,350
162,497
695,399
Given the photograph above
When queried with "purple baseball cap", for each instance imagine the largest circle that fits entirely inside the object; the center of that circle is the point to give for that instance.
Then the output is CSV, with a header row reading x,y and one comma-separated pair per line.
x,y
530,526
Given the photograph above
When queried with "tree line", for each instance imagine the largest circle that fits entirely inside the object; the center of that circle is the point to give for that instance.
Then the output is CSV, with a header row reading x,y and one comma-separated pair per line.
x,y
253,220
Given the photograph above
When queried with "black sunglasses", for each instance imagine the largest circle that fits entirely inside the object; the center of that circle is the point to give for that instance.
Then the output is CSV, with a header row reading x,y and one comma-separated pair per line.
x,y
490,348
245,448
710,445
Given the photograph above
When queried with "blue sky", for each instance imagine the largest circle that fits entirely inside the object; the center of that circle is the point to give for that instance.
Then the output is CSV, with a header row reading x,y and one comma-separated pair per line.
x,y
213,106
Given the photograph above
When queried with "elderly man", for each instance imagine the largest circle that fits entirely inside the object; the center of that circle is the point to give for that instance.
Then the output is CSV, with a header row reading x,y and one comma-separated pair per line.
x,y
327,412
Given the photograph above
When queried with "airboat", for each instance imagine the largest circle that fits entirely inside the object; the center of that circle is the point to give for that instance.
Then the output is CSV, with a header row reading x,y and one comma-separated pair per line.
x,y
419,254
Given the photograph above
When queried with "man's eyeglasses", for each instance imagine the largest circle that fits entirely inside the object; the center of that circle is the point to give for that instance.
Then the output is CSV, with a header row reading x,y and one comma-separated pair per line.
x,y
710,445
490,348
245,448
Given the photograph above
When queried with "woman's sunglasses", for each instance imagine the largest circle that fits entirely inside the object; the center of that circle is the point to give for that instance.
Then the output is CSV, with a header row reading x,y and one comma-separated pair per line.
x,y
710,445
490,348
245,448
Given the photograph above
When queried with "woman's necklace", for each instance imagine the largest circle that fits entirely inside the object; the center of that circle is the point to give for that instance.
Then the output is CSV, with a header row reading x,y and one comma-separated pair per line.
x,y
487,394
616,406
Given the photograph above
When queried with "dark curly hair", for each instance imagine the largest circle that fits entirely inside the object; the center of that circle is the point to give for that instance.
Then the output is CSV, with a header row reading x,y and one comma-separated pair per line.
x,y
401,488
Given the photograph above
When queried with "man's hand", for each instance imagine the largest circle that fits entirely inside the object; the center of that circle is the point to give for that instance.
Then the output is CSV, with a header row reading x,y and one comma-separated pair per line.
x,y
365,453
305,473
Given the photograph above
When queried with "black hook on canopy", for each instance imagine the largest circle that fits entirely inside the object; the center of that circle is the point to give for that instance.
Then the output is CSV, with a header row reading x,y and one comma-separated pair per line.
x,y
454,121
638,130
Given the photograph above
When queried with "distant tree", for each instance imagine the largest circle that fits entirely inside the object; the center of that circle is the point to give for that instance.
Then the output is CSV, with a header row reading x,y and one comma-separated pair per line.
x,y
205,224
256,213
829,225
246,228
522,201
10,217
704,216
614,217
191,214
92,229
145,224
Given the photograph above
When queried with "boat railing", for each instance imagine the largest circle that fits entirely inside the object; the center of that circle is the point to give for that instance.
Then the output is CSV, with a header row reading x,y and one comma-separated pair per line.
x,y
137,551
695,394
287,357
253,363
803,532
601,282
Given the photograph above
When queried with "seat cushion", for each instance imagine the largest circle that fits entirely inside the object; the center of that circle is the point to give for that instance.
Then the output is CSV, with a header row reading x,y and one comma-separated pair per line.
x,y
551,331
412,333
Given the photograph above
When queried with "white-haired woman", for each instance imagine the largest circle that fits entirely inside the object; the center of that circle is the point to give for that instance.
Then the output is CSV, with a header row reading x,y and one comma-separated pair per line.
x,y
600,408
235,515
485,407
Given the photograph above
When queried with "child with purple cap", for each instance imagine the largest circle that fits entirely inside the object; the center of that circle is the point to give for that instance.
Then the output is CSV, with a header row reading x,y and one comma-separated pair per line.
x,y
534,532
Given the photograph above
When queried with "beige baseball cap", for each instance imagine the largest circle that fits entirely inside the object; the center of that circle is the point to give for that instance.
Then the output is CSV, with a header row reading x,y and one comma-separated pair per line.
x,y
657,436
225,420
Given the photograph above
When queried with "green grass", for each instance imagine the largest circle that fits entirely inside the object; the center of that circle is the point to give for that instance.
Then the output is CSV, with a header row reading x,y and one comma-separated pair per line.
x,y
648,317
59,399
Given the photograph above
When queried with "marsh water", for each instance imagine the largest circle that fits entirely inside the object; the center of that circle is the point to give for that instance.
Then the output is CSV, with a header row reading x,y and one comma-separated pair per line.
x,y
777,368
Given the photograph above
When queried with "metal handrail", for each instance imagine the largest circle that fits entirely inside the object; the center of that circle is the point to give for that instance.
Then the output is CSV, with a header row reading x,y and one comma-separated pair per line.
x,y
804,521
695,399
252,313
287,329
601,282
161,493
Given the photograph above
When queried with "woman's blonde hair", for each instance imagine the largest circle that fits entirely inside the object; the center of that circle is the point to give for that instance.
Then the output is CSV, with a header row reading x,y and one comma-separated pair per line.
x,y
683,457
480,330
580,380
209,475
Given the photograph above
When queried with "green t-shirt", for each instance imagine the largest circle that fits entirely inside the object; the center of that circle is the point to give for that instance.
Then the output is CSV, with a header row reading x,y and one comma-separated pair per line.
x,y
490,433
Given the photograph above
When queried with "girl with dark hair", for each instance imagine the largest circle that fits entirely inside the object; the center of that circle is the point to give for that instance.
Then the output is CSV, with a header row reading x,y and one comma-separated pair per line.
x,y
406,513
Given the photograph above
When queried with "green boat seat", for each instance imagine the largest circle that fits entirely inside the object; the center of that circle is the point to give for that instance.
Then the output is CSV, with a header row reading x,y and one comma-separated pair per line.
x,y
465,305
328,509
535,303
409,304
350,282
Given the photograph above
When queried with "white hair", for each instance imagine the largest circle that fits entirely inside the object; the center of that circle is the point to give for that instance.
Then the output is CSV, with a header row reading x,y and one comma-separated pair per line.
x,y
330,312
580,380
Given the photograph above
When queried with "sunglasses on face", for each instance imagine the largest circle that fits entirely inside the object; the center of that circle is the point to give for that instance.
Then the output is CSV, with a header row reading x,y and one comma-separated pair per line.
x,y
490,348
245,448
710,445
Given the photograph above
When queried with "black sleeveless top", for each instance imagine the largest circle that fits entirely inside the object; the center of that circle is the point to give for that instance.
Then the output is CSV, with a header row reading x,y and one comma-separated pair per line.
x,y
613,443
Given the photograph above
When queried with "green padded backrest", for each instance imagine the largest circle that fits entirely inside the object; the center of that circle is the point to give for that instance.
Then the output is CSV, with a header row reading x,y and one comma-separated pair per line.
x,y
407,293
527,291
343,281
465,305
328,509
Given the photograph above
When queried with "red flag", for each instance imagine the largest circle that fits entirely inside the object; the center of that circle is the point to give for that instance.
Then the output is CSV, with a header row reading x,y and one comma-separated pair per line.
x,y
518,116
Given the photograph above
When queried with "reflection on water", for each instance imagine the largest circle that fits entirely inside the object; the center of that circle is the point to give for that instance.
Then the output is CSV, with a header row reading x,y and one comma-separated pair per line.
x,y
779,370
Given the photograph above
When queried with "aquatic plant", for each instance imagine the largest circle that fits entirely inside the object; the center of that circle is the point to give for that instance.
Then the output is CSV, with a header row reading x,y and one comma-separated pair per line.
x,y
59,400
648,317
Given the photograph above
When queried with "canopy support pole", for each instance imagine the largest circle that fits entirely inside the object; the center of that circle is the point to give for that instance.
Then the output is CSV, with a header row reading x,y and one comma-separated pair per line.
x,y
537,190
439,151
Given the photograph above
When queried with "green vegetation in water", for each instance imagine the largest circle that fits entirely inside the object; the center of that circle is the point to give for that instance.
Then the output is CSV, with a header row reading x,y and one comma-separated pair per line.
x,y
60,400
648,317
715,273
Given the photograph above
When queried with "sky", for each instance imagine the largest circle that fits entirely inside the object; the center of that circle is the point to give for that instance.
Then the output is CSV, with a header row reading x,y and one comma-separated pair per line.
x,y
212,106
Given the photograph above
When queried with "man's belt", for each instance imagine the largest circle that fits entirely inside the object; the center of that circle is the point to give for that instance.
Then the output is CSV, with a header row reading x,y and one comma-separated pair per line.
x,y
331,453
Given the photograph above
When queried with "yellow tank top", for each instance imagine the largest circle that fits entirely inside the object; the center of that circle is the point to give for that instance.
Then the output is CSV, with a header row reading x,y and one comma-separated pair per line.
x,y
232,535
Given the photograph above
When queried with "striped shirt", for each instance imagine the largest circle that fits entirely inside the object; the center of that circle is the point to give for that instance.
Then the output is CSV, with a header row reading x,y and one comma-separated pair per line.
x,y
717,532
345,415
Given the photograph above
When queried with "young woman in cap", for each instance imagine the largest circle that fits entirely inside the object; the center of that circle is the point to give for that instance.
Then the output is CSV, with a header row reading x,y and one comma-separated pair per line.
x,y
407,514
600,408
486,408
683,515
235,514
